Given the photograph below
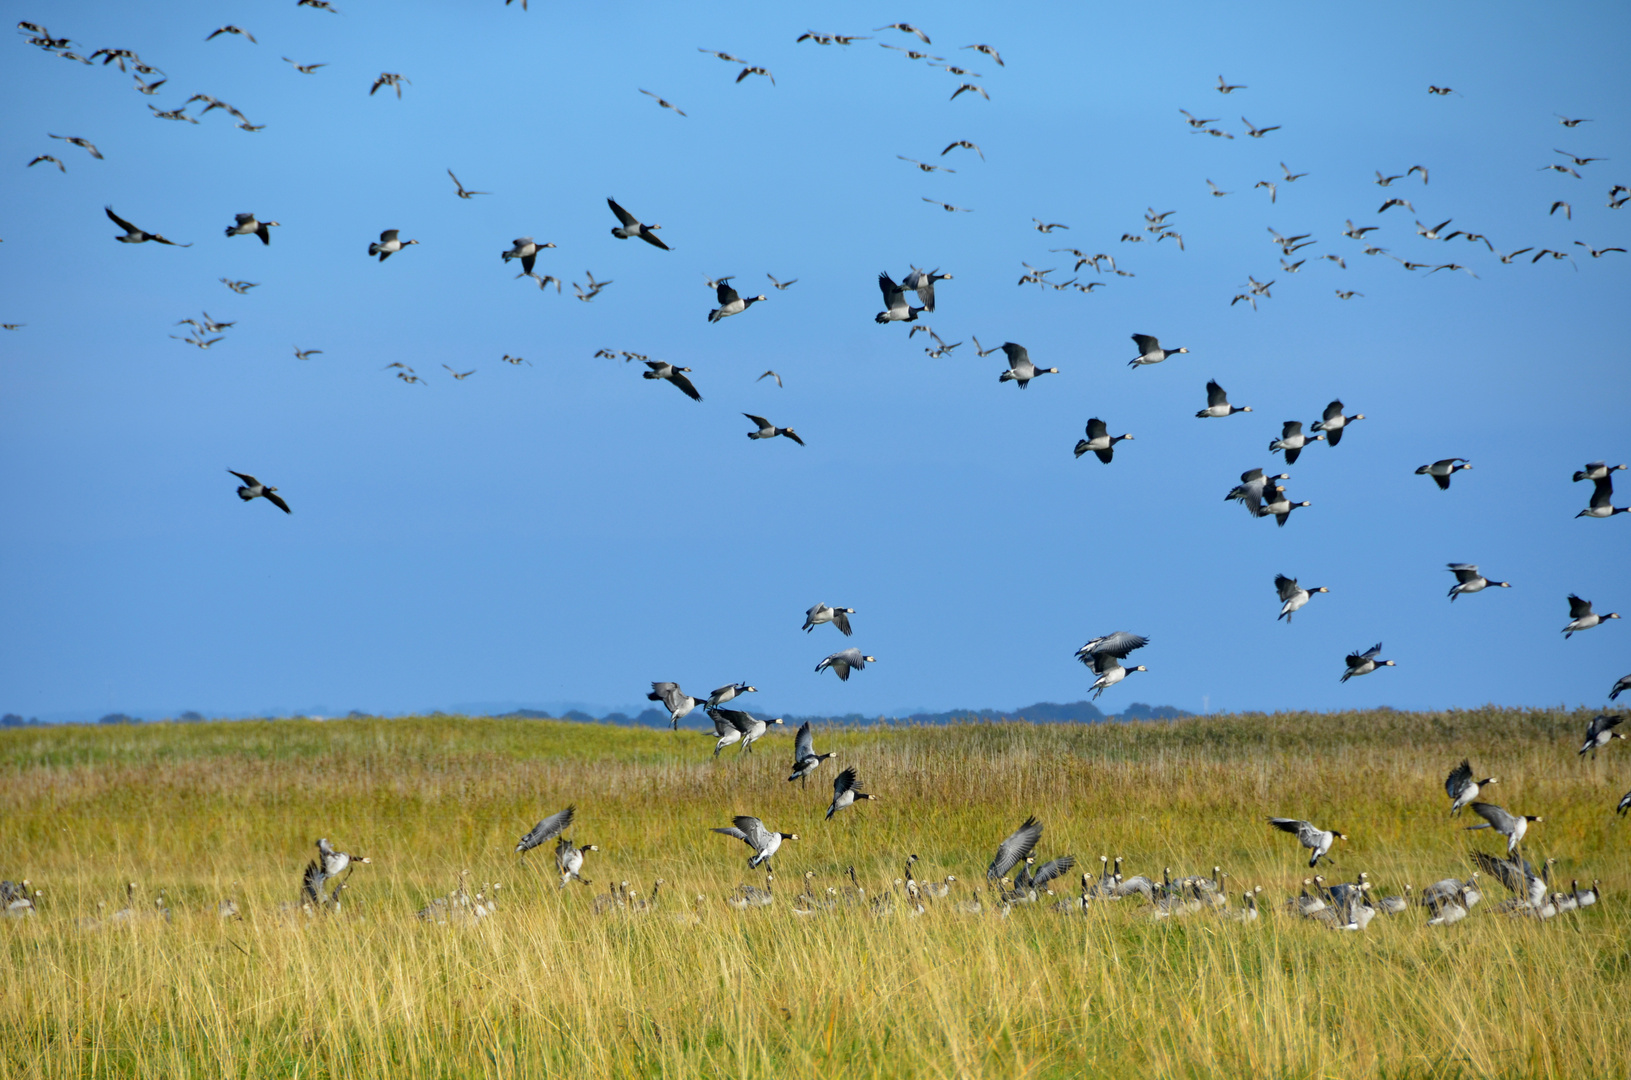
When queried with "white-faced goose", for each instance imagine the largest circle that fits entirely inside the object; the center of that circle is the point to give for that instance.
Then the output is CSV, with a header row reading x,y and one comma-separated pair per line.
x,y
821,613
752,832
1217,403
1333,423
388,244
1150,351
1469,580
731,302
1363,663
1581,617
767,430
896,309
1595,470
844,662
133,235
1602,501
1292,595
844,793
1462,788
725,733
569,860
1278,504
923,284
631,227
525,249
248,226
805,759
254,489
1600,732
1099,441
1103,656
1442,470
751,727
730,692
1292,440
1249,492
661,369
676,701
1511,826
1310,836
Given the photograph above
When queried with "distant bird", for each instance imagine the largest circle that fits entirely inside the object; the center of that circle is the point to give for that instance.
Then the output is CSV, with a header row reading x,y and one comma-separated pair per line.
x,y
304,69
1103,656
391,79
1273,191
896,308
963,144
1620,687
1577,159
248,226
1356,232
525,249
84,144
1225,88
821,613
1598,253
1568,211
1293,596
1582,618
676,701
781,285
388,244
1599,733
1332,423
631,227
134,235
923,284
1292,440
1150,351
988,51
844,662
1291,177
767,430
1364,663
1217,403
1511,826
229,29
663,102
460,375
1014,849
1099,441
844,794
47,157
1020,368
805,759
754,70
1310,836
546,830
317,5
1559,168
752,832
948,207
906,28
1469,580
1443,469
1217,192
1045,227
731,302
1462,788
306,354
924,166
727,57
1441,91
240,287
1257,132
462,192
1197,122
254,489
661,369
1568,123
1397,202
151,88
770,375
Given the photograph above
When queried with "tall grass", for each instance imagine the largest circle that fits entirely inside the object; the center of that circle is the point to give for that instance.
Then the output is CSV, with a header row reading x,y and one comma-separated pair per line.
x,y
546,987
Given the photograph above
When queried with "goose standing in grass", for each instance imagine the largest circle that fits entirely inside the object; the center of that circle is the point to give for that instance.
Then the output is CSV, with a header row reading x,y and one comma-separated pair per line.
x,y
676,701
1333,423
1217,402
844,793
1103,656
254,489
821,613
1581,617
730,692
805,759
133,235
1511,826
1310,836
752,728
1099,441
1469,580
747,896
248,226
767,430
1443,469
661,369
1596,470
546,830
731,302
1292,440
1020,368
1363,663
1278,505
1249,492
1528,887
1602,501
1013,850
1620,686
1293,596
725,732
1450,909
389,244
752,832
1150,351
1462,788
525,249
896,309
844,662
631,227
1599,733
569,860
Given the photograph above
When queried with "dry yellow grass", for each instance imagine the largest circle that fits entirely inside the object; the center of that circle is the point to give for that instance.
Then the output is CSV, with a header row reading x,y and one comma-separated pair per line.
x,y
547,988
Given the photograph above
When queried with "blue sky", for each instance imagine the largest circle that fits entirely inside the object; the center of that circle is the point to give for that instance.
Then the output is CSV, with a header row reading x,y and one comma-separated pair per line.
x,y
566,532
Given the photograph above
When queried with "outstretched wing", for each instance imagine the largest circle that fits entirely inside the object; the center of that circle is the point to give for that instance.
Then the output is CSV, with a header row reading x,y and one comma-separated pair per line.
x,y
803,743
1052,869
844,781
1018,845
628,219
757,834
1118,644
1458,779
1578,608
547,829
1501,821
1215,395
1286,586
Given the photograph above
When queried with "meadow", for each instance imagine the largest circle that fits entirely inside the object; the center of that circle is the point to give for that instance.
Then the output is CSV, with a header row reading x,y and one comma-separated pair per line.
x,y
548,987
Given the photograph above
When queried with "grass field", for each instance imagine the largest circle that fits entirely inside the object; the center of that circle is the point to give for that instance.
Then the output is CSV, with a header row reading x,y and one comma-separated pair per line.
x,y
547,988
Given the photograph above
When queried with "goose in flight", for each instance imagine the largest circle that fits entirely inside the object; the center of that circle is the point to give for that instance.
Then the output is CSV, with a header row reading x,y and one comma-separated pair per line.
x,y
1443,469
781,286
1150,351
1257,132
1249,492
134,235
1225,88
230,29
1581,617
306,354
752,832
661,369
1217,402
1595,470
1293,596
1600,732
844,794
963,144
1602,499
752,728
525,249
1292,440
1363,663
248,226
304,69
725,732
1511,826
1278,504
569,860
1020,368
1099,441
730,301
546,830
821,613
1103,656
1014,850
47,157
905,28
388,244
896,309
631,227
1621,685
923,284
846,661
805,759
254,489
1397,202
1462,788
82,143
1333,423
663,102
1310,836
676,701
730,692
1469,580
392,79
462,192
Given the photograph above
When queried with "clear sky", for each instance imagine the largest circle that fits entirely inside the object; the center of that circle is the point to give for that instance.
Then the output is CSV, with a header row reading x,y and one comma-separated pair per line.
x,y
565,532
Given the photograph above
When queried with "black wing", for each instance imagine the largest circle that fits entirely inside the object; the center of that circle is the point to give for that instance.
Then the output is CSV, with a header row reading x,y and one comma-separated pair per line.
x,y
1458,779
685,386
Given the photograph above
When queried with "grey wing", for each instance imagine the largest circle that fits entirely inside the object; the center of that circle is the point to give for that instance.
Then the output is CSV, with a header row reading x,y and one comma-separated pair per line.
x,y
1332,411
737,719
763,423
1464,572
1286,586
1290,825
1016,847
685,385
659,690
757,834
622,215
244,217
1602,493
119,221
1372,652
1052,869
271,496
737,833
246,478
1215,395
547,829
841,620
1291,427
1507,873
1499,819
1120,643
803,743
722,726
1017,354
388,235
1458,779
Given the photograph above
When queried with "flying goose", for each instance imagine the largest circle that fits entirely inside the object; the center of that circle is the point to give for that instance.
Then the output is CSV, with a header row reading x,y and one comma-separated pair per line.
x,y
1249,492
1217,402
896,309
752,832
1469,580
1363,663
304,69
968,86
663,102
546,830
781,286
1442,470
254,489
963,144
1622,685
1582,618
1225,88
805,759
730,302
676,701
1103,656
730,692
1257,132
1020,368
569,860
752,728
134,235
1310,836
1602,500
1599,733
1013,850
755,70
1462,788
1511,826
82,143
1333,423
948,207
1278,504
248,226
1292,440
230,29
388,244
1099,441
631,227
1150,351
240,287
923,284
392,79
47,157
1293,596
925,166
844,793
328,865
843,662
661,369
725,732
821,613
1217,192
525,249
